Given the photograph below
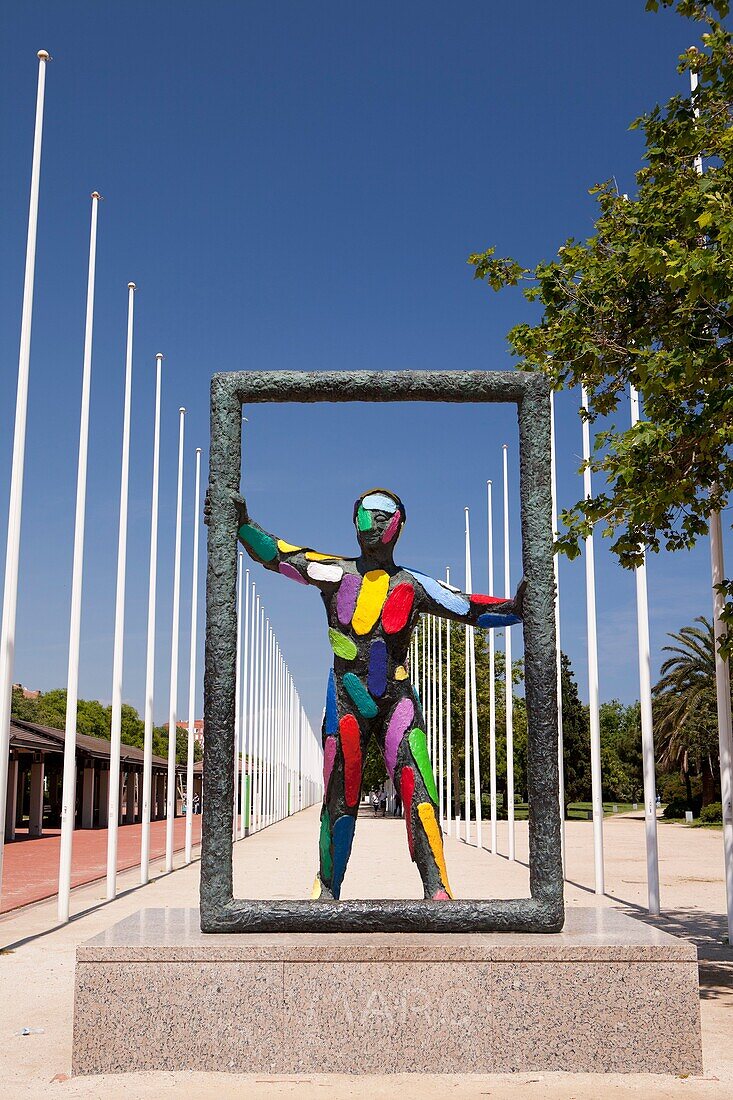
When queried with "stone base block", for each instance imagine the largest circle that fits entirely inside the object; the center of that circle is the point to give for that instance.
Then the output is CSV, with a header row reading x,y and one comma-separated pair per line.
x,y
608,994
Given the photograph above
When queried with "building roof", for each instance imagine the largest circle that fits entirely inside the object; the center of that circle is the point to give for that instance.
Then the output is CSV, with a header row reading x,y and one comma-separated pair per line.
x,y
34,738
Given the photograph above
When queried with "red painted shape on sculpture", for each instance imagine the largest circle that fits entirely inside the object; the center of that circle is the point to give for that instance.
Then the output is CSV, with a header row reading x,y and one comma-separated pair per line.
x,y
351,748
482,601
407,790
397,608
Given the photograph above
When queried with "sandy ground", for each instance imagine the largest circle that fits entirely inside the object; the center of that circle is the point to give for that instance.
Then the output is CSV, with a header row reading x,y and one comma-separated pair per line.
x,y
37,957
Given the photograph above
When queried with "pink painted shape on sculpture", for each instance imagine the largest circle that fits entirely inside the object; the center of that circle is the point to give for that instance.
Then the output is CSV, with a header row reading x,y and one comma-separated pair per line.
x,y
329,755
392,527
290,571
399,723
346,597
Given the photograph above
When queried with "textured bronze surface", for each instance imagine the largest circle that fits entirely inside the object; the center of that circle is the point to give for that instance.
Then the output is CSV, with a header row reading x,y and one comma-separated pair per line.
x,y
543,912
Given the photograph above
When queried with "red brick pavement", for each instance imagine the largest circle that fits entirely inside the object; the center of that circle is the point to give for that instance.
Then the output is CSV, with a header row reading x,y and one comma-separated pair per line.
x,y
31,865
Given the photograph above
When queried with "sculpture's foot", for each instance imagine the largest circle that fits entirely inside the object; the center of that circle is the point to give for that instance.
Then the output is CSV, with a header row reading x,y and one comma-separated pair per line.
x,y
321,892
441,895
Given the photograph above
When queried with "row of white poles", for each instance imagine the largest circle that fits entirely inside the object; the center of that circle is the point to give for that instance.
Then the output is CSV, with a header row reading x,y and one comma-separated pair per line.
x,y
277,755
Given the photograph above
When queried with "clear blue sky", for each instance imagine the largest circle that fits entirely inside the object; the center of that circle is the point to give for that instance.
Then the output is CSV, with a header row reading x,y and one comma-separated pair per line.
x,y
298,185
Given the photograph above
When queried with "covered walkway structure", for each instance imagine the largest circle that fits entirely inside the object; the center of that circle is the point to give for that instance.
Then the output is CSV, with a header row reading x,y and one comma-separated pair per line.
x,y
35,772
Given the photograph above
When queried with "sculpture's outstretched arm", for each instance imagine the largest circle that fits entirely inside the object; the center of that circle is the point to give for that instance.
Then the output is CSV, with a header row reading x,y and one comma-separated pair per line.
x,y
441,599
300,563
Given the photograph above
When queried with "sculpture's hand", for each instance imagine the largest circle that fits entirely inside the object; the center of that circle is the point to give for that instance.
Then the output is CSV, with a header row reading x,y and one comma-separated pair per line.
x,y
242,513
518,600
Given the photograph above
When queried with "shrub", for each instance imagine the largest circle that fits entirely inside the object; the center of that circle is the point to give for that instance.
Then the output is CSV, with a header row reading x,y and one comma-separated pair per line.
x,y
712,814
675,810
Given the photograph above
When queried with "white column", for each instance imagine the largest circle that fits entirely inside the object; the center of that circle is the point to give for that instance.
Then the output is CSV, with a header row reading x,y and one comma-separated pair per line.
x,y
192,658
441,777
558,648
175,639
237,691
150,659
647,725
87,798
474,699
492,675
509,688
245,708
722,674
15,505
72,684
725,730
448,723
11,799
595,722
35,815
113,810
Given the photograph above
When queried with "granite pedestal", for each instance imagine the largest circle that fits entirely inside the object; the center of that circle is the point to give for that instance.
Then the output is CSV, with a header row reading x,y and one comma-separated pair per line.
x,y
607,994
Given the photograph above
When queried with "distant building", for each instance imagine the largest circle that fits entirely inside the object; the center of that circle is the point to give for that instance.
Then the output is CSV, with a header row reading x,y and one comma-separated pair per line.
x,y
27,693
198,730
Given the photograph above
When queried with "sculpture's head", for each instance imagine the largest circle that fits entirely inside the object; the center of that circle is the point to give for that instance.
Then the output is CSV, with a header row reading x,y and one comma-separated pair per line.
x,y
379,517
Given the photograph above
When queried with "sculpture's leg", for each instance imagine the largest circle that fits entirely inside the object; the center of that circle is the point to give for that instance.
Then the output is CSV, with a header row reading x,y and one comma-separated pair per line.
x,y
408,760
344,752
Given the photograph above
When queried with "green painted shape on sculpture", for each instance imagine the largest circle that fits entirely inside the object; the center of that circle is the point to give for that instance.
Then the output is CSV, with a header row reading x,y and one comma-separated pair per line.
x,y
363,519
325,846
341,645
259,541
360,696
419,749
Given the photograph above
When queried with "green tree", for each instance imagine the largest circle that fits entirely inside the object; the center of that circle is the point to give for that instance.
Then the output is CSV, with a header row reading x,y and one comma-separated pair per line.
x,y
648,300
685,709
94,719
576,738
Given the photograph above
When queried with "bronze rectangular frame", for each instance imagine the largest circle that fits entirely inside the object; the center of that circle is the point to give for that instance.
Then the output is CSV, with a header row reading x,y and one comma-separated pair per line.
x,y
543,911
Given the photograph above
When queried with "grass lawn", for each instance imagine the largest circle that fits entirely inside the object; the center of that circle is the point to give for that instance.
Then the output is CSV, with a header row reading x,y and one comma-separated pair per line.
x,y
578,811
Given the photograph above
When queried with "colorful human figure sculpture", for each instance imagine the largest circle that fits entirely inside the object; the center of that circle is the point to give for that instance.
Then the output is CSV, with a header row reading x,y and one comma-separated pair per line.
x,y
372,606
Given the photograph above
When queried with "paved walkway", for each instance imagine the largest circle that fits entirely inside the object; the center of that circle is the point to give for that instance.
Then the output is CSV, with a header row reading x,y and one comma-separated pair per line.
x,y
31,864
37,963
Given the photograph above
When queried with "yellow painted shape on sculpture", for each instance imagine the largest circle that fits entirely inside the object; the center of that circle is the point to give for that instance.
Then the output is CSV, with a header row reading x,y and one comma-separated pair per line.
x,y
316,891
313,555
287,547
372,594
400,673
430,825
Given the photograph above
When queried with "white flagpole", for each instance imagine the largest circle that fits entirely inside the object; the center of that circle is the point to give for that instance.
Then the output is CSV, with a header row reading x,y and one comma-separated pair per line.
x,y
238,690
150,655
556,568
647,725
15,505
175,632
441,786
467,706
509,687
595,724
722,669
68,803
250,715
492,677
448,731
474,700
244,709
192,659
113,811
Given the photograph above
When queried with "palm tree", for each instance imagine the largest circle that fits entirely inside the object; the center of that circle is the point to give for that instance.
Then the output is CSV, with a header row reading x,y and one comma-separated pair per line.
x,y
685,713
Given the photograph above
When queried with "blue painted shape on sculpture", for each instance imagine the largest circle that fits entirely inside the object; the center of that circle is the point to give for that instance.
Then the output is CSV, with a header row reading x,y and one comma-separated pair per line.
x,y
451,601
343,836
379,502
360,697
332,718
489,620
377,675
